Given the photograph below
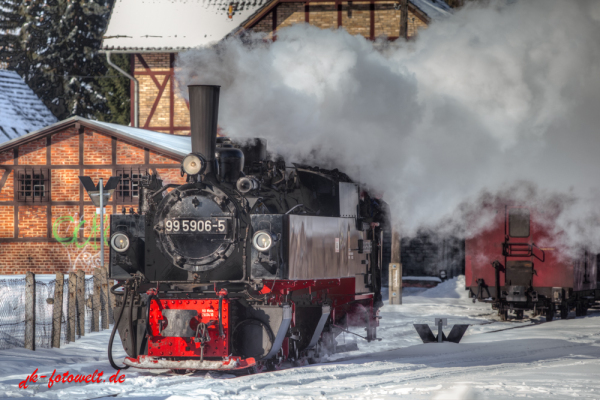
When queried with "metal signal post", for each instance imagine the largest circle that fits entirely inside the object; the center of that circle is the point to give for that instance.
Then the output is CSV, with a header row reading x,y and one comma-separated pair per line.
x,y
100,195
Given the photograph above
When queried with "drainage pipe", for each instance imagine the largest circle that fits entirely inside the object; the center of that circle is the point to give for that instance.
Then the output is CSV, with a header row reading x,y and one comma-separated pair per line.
x,y
136,84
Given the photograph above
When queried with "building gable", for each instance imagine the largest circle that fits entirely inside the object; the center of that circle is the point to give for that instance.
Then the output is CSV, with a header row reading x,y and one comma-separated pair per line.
x,y
173,26
162,109
47,222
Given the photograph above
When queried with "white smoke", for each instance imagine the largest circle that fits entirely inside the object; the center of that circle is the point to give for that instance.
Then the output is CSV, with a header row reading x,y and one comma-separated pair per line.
x,y
496,101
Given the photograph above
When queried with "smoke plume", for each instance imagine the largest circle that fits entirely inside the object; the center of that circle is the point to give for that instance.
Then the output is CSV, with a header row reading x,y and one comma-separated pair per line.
x,y
500,101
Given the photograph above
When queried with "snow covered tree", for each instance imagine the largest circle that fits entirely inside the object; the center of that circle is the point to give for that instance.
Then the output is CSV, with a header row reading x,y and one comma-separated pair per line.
x,y
12,18
55,49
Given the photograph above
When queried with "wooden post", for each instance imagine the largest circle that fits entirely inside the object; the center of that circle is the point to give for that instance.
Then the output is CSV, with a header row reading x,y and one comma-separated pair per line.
x,y
404,19
395,271
111,302
96,299
57,309
105,299
80,302
72,318
30,311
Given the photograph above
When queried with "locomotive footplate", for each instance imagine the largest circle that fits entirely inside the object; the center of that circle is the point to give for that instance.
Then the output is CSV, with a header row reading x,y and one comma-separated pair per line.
x,y
227,364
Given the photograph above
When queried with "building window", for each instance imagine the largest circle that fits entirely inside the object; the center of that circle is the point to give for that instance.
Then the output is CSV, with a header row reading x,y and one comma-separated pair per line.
x,y
129,186
33,185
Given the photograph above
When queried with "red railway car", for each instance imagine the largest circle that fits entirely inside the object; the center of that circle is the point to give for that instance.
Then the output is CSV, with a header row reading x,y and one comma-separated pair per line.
x,y
517,266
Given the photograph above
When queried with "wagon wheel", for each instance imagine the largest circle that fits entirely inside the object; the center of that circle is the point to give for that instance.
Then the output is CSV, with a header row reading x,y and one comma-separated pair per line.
x,y
580,310
519,314
550,313
503,313
564,312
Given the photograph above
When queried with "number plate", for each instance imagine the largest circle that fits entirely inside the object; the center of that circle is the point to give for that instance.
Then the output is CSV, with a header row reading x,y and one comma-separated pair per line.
x,y
183,226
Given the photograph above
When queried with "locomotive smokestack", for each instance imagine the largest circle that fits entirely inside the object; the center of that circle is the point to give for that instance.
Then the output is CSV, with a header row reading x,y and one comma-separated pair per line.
x,y
204,112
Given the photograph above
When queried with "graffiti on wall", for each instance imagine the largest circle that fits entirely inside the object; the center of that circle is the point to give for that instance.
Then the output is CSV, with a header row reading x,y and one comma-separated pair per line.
x,y
67,230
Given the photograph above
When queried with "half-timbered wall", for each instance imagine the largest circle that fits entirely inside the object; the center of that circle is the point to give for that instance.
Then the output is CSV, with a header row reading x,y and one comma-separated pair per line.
x,y
163,110
371,19
60,233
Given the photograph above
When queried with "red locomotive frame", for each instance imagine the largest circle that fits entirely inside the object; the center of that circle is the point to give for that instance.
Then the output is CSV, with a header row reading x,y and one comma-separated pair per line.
x,y
347,308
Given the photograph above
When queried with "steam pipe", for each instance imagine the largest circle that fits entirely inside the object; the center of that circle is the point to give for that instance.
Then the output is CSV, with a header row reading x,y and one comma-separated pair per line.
x,y
204,112
136,85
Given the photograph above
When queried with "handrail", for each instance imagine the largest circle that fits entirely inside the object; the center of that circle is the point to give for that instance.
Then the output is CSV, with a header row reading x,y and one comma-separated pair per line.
x,y
508,250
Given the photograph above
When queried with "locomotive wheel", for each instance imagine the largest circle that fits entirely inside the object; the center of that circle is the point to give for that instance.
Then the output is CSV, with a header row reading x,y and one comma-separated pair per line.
x,y
273,366
256,369
301,362
252,370
315,359
316,356
179,371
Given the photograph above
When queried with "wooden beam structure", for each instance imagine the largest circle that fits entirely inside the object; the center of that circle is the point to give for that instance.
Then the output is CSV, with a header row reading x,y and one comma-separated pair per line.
x,y
57,309
30,311
395,271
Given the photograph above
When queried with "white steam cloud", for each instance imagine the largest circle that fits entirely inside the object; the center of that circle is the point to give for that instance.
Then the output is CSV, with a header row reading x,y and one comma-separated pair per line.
x,y
496,101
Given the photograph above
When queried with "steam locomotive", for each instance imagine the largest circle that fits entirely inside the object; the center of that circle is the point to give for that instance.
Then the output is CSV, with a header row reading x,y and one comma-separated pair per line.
x,y
249,264
516,266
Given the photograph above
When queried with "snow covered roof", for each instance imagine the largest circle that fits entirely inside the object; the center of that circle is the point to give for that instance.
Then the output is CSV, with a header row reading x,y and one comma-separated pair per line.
x,y
171,145
173,24
21,111
181,145
177,25
433,8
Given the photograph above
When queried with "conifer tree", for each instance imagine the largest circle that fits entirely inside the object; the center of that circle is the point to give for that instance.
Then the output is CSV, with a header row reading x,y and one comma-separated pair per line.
x,y
116,89
11,20
54,47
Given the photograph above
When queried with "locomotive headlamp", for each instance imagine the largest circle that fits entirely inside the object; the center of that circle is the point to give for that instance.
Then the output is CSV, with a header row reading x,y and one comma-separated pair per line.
x,y
263,240
194,164
119,242
246,184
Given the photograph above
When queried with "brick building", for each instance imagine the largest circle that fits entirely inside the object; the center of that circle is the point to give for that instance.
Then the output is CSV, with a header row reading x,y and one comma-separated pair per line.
x,y
47,221
164,28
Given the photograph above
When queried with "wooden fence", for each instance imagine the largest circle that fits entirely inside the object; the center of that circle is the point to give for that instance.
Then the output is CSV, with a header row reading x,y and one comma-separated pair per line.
x,y
100,302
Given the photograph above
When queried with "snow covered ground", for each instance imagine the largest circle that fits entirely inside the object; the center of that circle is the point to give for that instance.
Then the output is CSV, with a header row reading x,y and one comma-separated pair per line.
x,y
495,360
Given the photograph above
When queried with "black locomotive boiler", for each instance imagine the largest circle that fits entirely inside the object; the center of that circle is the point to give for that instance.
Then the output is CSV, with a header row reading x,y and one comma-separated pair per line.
x,y
250,263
